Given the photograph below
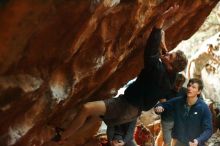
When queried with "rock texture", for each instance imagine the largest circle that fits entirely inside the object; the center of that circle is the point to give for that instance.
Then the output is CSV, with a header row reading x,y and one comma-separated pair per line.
x,y
205,65
57,54
203,52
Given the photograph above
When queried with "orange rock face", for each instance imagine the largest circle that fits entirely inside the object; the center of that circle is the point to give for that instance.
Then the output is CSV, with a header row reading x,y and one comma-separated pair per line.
x,y
57,54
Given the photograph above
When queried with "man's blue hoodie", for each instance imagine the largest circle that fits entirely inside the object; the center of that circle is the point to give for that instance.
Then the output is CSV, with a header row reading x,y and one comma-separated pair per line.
x,y
190,123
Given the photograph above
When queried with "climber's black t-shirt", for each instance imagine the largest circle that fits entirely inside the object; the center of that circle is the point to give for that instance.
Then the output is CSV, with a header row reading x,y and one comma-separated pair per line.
x,y
153,82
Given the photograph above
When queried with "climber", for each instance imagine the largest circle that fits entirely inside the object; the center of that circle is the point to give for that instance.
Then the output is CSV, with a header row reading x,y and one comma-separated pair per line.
x,y
153,82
